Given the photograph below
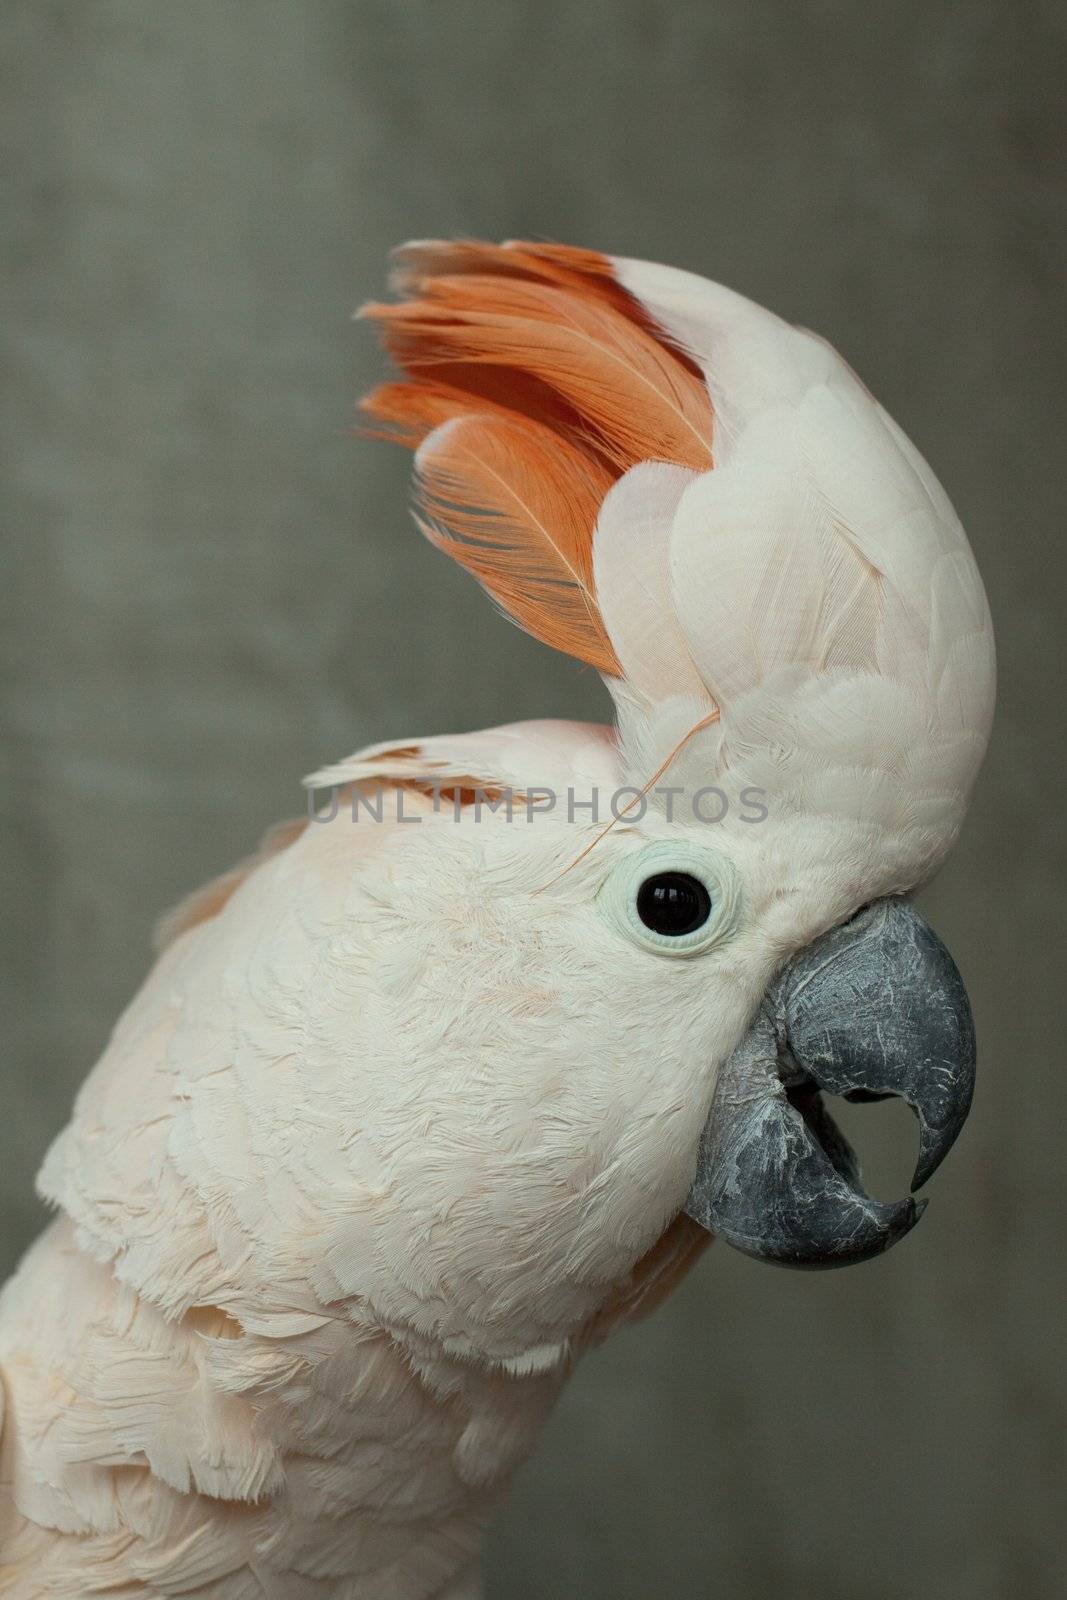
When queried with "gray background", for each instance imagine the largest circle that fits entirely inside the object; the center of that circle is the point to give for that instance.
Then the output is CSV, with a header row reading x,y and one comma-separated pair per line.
x,y
210,588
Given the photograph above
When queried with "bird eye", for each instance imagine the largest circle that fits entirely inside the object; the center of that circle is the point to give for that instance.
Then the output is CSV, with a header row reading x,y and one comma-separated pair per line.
x,y
673,898
673,904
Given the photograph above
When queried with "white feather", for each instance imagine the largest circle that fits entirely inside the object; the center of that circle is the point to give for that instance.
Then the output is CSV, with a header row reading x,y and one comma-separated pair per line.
x,y
751,359
819,550
631,550
761,577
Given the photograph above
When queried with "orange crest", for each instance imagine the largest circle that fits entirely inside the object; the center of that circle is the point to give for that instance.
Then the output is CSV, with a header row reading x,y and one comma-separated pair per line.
x,y
532,382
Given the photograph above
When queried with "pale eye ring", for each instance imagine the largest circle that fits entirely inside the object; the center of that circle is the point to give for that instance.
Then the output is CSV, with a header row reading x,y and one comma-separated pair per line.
x,y
673,898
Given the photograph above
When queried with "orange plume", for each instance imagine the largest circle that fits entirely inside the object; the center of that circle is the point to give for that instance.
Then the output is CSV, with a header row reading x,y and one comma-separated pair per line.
x,y
557,383
515,504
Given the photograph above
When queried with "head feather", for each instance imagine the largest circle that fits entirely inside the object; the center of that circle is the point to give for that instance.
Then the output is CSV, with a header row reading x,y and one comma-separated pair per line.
x,y
758,619
533,382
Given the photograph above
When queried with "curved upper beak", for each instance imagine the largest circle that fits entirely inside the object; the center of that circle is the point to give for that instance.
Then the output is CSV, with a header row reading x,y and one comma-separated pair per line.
x,y
874,1008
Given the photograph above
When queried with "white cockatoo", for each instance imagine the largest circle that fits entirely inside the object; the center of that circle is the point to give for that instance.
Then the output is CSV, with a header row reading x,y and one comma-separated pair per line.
x,y
462,1071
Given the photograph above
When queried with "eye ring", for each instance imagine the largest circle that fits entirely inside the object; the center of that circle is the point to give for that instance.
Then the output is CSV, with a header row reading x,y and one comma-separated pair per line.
x,y
675,899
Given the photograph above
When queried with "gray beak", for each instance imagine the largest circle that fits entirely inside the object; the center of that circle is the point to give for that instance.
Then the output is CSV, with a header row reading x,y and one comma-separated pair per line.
x,y
874,1008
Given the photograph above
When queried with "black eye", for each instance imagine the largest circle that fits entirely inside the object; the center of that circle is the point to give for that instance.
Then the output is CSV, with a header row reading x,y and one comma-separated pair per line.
x,y
673,904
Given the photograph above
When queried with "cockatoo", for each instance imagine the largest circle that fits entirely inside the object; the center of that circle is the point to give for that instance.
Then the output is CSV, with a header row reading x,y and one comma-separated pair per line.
x,y
462,1071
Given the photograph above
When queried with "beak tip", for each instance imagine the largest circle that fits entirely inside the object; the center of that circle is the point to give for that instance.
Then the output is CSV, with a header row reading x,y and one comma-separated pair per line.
x,y
935,1144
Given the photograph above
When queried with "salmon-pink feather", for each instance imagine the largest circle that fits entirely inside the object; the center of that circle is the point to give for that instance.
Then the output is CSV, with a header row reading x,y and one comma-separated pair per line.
x,y
512,502
634,397
562,384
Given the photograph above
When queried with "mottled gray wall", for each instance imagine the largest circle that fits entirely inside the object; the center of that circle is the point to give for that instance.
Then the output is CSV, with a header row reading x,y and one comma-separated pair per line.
x,y
210,588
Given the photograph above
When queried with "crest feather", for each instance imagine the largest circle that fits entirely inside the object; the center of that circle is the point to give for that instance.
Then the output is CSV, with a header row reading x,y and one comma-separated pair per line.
x,y
533,381
513,503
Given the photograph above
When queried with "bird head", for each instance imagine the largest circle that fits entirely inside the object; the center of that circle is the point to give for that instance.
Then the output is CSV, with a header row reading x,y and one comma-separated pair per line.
x,y
637,978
